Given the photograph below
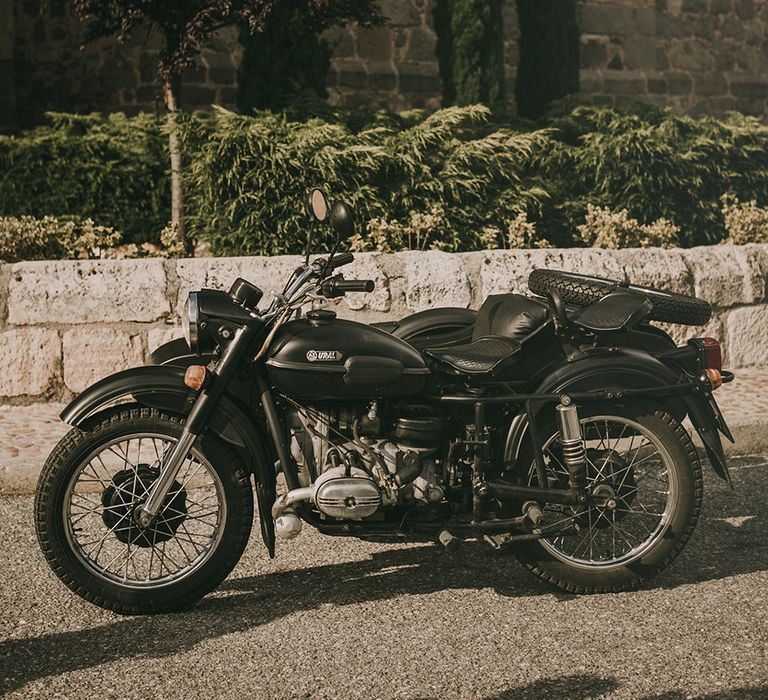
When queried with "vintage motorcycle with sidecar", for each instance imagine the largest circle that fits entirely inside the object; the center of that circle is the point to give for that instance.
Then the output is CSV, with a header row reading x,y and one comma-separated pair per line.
x,y
548,424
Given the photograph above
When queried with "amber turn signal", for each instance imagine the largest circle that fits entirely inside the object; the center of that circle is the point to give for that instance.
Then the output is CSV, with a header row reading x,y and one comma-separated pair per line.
x,y
195,377
715,377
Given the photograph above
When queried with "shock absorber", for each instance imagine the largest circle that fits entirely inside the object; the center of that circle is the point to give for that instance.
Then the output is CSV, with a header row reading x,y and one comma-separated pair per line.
x,y
572,442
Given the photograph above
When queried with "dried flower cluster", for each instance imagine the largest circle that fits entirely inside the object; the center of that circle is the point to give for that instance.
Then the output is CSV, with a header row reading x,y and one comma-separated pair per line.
x,y
605,228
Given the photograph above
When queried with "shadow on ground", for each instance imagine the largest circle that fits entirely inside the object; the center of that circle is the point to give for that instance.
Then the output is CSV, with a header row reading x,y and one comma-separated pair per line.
x,y
718,550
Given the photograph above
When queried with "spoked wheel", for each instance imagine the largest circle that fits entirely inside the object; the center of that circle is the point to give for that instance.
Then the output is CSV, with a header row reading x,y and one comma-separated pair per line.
x,y
646,469
88,494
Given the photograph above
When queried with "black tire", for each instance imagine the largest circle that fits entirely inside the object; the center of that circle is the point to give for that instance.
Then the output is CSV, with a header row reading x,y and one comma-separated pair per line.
x,y
583,290
684,513
52,529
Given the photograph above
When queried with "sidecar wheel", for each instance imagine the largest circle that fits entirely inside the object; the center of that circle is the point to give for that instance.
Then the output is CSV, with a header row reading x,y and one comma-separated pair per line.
x,y
645,461
90,486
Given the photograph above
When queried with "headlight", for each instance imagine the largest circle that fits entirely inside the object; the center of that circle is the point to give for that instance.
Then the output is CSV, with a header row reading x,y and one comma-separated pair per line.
x,y
190,322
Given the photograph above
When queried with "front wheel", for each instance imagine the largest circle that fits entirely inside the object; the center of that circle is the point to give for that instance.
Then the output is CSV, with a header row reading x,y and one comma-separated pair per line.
x,y
87,496
644,462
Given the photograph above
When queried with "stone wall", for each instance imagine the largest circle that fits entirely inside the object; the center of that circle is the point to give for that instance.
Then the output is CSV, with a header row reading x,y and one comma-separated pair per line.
x,y
697,56
694,56
67,324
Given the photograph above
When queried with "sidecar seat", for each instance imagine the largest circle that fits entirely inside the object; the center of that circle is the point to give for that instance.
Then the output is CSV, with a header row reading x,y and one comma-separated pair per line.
x,y
504,322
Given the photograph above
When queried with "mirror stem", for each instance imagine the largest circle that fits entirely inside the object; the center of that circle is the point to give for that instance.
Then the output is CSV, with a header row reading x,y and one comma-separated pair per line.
x,y
309,241
330,257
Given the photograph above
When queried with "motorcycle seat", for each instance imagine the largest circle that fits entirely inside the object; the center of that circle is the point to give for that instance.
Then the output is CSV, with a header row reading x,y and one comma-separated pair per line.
x,y
504,321
482,356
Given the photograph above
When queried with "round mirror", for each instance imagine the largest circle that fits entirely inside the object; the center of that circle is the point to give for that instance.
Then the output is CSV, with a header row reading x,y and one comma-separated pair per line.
x,y
317,205
343,219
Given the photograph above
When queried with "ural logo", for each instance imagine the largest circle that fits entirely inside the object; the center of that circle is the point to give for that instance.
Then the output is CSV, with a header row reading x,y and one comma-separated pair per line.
x,y
323,355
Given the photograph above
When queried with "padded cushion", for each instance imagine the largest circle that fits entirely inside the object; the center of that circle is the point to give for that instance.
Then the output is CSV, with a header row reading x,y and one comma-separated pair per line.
x,y
615,311
481,356
510,316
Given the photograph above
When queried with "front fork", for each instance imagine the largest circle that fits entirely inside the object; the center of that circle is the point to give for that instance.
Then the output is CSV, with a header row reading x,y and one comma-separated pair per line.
x,y
204,405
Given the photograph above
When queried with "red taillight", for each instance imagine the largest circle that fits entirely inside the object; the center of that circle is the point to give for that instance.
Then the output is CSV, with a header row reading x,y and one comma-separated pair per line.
x,y
713,356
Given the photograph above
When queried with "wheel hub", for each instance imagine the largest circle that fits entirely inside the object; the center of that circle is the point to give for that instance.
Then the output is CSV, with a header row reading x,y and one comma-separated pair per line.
x,y
127,493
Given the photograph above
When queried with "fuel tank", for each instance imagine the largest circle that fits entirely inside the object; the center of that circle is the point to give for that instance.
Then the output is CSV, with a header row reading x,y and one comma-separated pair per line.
x,y
322,357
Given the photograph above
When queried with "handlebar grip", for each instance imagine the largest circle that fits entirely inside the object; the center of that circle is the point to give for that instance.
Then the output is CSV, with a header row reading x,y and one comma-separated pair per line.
x,y
341,259
355,285
337,286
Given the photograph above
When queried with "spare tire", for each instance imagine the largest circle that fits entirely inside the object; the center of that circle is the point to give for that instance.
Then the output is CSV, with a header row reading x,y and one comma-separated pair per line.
x,y
583,290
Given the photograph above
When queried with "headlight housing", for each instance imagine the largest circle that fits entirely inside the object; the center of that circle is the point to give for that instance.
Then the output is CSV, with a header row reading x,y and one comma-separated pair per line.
x,y
191,323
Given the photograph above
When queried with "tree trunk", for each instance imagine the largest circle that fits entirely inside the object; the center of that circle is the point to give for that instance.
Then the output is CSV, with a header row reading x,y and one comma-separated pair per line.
x,y
549,54
174,146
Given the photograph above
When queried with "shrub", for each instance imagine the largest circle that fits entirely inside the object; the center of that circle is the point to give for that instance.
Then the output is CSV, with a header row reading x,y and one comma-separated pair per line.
x,y
744,222
604,228
49,238
248,176
109,169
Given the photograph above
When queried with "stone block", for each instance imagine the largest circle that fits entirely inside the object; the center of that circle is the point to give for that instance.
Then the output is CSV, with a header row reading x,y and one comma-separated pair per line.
x,y
421,46
714,329
30,358
366,267
159,336
381,76
605,18
640,52
434,279
269,274
746,331
87,291
593,53
91,354
399,13
507,270
695,6
655,267
709,83
419,78
726,275
351,74
374,43
750,87
624,84
679,83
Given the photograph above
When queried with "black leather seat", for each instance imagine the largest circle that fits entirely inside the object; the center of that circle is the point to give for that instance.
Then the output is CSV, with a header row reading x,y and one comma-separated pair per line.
x,y
504,321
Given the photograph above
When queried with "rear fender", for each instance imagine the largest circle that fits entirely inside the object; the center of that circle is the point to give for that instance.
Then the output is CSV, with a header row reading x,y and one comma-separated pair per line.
x,y
626,369
163,387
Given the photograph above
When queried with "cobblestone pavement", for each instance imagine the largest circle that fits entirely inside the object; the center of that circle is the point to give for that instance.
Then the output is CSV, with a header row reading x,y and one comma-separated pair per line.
x,y
28,433
339,618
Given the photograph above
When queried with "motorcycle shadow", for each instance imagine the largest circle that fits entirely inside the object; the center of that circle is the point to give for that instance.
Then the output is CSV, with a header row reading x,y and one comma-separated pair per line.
x,y
729,541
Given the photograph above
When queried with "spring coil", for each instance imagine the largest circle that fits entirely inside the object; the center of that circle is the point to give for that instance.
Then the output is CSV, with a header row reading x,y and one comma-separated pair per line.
x,y
574,452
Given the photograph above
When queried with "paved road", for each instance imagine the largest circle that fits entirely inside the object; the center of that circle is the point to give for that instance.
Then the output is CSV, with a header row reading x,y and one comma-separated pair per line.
x,y
343,619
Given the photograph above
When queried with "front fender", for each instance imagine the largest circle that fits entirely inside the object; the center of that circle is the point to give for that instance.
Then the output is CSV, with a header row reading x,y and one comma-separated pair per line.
x,y
176,352
163,387
628,369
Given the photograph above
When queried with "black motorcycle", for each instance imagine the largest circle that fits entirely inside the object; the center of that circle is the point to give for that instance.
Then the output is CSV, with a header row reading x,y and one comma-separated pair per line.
x,y
548,424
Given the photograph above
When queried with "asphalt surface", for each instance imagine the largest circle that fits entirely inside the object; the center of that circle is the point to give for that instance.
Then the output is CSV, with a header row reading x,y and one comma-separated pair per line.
x,y
338,618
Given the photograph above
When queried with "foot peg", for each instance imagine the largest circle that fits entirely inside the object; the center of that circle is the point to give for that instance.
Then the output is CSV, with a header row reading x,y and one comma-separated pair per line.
x,y
450,542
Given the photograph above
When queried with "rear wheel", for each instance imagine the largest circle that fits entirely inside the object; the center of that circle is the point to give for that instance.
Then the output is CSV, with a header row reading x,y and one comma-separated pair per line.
x,y
645,464
90,488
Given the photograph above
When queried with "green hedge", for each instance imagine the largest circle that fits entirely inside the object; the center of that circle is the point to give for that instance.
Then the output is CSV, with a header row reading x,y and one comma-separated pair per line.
x,y
248,174
456,175
109,169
